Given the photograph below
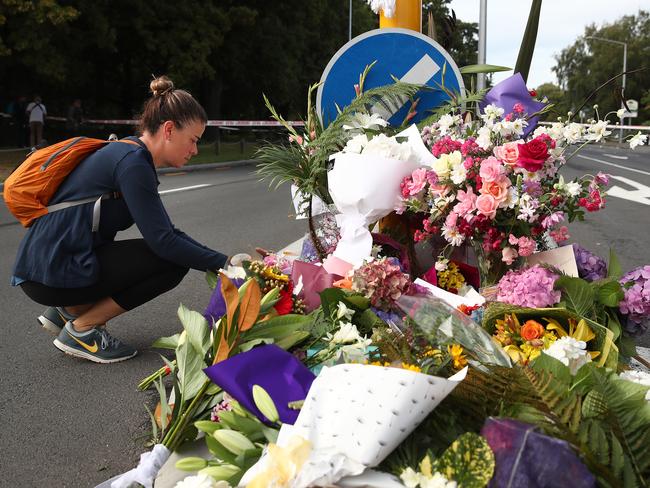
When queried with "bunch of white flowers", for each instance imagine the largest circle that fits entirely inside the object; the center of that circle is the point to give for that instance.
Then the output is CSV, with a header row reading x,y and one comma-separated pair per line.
x,y
381,146
570,352
413,479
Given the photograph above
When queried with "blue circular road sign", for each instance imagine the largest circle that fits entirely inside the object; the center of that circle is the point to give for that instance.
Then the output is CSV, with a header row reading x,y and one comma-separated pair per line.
x,y
405,54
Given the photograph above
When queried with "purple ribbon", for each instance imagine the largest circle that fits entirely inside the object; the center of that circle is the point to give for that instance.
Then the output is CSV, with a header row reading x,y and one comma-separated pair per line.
x,y
510,91
282,375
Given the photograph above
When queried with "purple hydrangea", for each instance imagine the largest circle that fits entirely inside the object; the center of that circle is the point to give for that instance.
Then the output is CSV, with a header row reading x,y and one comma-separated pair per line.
x,y
529,287
590,266
636,303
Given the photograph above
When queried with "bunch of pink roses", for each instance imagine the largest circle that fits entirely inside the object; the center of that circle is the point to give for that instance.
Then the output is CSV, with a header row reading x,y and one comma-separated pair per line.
x,y
491,186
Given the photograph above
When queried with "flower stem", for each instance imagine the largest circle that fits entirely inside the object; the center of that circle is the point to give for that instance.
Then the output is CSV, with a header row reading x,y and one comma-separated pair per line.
x,y
172,439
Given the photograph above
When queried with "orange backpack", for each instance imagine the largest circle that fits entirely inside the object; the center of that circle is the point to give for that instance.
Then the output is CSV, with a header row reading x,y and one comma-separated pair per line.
x,y
28,190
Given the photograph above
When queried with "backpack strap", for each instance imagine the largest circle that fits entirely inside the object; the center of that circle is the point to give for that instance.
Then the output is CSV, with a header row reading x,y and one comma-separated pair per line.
x,y
98,200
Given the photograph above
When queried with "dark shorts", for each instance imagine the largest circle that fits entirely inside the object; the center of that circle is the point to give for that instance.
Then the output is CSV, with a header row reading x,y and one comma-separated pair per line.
x,y
130,273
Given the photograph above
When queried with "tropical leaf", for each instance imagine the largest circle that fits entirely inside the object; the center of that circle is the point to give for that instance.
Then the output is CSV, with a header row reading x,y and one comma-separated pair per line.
x,y
190,370
196,328
577,294
249,306
169,342
527,48
614,269
482,68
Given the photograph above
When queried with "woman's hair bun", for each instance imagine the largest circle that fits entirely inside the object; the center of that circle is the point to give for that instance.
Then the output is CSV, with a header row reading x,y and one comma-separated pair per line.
x,y
160,86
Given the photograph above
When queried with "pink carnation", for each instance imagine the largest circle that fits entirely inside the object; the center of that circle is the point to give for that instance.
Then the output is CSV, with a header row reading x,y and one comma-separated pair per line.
x,y
530,287
526,246
561,234
418,181
466,202
445,145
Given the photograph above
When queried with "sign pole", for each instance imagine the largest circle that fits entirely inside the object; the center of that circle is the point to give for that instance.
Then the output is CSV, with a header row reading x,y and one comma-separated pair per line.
x,y
408,15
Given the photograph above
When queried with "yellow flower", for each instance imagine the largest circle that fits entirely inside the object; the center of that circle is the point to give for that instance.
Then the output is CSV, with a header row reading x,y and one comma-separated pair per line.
x,y
283,464
430,352
411,367
456,352
451,279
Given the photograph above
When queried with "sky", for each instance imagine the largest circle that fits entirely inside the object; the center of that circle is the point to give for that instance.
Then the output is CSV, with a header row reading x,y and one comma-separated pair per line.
x,y
561,23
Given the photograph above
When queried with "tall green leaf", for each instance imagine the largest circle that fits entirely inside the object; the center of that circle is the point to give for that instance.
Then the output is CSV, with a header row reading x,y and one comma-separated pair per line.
x,y
528,42
196,328
482,68
614,268
577,294
190,370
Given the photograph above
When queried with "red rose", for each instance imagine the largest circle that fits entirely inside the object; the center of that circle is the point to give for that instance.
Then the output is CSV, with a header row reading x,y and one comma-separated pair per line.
x,y
285,303
532,155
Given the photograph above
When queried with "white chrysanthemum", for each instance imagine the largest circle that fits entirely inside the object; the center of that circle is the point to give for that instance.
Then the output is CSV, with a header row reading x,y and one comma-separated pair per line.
x,y
452,235
597,131
638,139
573,132
570,352
442,264
356,144
639,377
201,481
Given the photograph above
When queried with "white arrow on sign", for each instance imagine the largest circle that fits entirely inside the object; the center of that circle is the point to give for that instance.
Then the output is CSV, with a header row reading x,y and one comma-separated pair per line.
x,y
419,74
640,195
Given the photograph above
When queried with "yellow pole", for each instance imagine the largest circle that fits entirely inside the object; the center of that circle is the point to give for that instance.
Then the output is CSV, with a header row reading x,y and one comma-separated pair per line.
x,y
408,15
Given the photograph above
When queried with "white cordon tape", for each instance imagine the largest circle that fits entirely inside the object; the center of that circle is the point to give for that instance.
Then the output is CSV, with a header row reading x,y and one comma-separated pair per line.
x,y
211,123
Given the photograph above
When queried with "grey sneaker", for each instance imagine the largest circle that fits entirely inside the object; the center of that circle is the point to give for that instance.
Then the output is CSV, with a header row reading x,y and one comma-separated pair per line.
x,y
95,345
54,318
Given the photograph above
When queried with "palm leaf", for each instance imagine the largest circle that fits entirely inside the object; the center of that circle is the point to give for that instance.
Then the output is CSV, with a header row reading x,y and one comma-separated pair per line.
x,y
527,48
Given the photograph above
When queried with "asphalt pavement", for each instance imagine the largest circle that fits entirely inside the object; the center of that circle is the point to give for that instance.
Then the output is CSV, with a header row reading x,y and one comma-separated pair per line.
x,y
71,423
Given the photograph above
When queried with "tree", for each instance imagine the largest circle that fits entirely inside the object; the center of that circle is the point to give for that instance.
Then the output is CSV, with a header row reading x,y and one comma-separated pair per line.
x,y
588,63
557,97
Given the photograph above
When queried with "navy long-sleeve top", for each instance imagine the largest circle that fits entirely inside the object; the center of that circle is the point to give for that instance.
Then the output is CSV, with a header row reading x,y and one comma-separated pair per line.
x,y
59,248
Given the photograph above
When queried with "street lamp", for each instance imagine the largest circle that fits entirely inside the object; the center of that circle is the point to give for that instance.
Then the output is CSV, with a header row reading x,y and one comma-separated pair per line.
x,y
624,44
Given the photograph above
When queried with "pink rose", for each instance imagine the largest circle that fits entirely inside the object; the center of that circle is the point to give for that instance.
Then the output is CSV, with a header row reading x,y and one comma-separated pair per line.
x,y
497,188
419,179
491,169
532,155
508,255
508,153
439,190
487,205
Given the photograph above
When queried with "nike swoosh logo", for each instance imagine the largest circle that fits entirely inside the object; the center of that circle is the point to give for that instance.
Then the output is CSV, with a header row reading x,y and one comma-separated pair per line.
x,y
88,348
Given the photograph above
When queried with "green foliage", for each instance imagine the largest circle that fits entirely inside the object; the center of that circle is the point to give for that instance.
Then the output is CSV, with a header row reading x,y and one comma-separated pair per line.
x,y
527,48
576,294
469,461
604,60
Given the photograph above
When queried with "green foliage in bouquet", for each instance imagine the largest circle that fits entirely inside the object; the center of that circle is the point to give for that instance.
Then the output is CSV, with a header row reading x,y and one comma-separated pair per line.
x,y
304,161
235,442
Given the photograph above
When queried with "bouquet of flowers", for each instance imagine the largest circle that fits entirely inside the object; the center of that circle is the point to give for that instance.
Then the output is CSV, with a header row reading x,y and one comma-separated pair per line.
x,y
496,189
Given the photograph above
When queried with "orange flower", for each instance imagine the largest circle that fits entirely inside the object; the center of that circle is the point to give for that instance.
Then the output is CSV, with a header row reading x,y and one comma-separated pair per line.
x,y
345,283
532,330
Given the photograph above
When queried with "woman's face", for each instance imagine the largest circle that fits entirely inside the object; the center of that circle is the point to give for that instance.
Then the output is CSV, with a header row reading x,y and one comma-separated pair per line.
x,y
181,143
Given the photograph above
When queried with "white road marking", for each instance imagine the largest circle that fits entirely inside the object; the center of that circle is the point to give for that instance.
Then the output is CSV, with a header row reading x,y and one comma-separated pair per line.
x,y
640,195
615,156
185,188
419,74
613,164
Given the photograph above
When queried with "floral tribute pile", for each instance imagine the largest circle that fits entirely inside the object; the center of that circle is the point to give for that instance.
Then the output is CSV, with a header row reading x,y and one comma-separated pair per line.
x,y
357,363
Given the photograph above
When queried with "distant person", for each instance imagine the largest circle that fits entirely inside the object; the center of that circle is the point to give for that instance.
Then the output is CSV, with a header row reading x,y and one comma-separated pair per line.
x,y
36,112
75,116
86,277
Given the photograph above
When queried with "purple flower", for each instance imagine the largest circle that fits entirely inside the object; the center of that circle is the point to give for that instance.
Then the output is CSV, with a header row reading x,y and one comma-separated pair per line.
x,y
532,187
217,306
529,287
590,266
636,303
